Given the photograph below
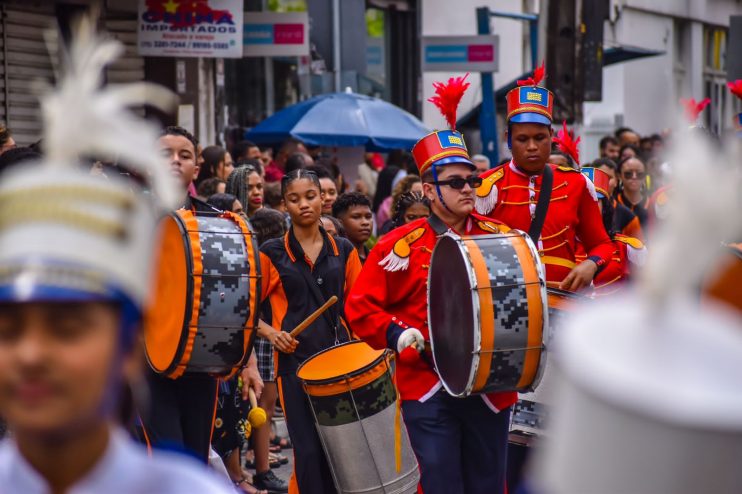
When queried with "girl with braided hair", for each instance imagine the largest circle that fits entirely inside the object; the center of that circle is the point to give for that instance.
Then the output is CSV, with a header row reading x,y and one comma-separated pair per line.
x,y
246,184
409,207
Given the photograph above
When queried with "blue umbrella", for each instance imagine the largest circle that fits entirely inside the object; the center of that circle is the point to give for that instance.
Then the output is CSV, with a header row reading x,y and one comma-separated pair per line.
x,y
342,120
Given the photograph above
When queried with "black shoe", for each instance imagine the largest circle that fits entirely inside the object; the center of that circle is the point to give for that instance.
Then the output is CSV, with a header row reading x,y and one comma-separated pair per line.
x,y
271,483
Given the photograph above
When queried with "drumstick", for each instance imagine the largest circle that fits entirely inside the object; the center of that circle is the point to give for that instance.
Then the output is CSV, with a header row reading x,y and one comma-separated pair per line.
x,y
257,416
410,354
314,315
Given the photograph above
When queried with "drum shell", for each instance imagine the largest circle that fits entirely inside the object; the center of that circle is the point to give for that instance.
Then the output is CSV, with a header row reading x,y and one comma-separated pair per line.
x,y
358,409
215,316
507,344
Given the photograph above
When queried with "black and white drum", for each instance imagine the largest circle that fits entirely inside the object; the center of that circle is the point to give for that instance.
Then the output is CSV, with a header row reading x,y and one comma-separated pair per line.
x,y
206,303
487,313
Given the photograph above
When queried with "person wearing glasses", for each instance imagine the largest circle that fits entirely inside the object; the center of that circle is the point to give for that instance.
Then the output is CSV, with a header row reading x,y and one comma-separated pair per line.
x,y
632,190
460,444
510,192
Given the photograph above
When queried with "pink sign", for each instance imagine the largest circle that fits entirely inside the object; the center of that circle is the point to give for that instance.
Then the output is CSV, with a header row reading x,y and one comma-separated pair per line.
x,y
288,34
480,53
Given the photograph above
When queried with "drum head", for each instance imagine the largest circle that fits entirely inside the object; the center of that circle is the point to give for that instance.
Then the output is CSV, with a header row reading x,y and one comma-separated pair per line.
x,y
164,318
451,314
336,363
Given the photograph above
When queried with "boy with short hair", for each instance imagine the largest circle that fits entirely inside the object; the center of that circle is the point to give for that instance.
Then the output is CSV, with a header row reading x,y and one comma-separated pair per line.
x,y
353,210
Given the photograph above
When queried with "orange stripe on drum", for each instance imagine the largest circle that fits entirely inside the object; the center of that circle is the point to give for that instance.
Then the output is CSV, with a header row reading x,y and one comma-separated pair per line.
x,y
486,313
191,224
535,311
559,299
163,320
254,274
345,384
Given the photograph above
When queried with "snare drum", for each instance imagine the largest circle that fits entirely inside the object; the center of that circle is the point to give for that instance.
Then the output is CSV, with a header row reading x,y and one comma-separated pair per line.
x,y
487,313
355,407
206,298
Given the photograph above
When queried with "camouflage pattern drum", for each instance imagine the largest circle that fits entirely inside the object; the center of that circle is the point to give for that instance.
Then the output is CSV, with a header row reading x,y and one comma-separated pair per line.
x,y
205,309
356,410
487,313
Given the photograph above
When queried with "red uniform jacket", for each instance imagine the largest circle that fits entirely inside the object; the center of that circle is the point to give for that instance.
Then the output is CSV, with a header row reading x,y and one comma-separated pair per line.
x,y
391,295
510,196
628,253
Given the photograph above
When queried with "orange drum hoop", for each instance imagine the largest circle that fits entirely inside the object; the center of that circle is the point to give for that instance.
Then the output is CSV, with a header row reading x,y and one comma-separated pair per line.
x,y
206,299
487,313
562,299
336,370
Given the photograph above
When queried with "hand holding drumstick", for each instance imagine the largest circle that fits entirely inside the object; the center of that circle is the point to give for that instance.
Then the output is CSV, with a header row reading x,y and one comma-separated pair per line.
x,y
286,342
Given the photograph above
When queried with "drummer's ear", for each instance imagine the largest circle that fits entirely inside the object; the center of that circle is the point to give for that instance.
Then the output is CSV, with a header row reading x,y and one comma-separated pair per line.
x,y
429,191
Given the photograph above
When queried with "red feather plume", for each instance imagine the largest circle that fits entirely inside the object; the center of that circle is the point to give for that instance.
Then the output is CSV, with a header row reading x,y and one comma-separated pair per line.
x,y
563,140
538,75
447,97
736,88
693,108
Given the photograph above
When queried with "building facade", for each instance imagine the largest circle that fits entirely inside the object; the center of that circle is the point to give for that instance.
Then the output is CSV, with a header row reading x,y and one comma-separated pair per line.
x,y
644,94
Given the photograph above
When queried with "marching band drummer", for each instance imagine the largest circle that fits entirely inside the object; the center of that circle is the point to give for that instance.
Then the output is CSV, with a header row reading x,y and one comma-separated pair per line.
x,y
629,252
181,411
76,255
460,444
300,272
510,192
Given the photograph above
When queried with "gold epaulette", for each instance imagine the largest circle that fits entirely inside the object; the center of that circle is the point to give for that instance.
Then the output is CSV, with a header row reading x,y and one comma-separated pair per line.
x,y
486,194
631,241
491,227
399,257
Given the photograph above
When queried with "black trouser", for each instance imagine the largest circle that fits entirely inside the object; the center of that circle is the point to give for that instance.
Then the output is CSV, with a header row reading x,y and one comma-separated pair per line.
x,y
181,413
311,471
460,444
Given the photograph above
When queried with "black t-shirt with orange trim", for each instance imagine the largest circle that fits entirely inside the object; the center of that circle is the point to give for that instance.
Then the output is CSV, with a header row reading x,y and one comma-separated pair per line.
x,y
292,300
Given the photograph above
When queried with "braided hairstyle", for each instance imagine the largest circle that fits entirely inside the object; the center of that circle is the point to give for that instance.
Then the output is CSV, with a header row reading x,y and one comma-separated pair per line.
x,y
237,183
297,174
407,200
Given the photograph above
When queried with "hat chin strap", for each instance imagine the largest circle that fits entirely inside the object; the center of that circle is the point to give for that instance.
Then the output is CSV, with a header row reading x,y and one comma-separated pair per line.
x,y
438,188
510,135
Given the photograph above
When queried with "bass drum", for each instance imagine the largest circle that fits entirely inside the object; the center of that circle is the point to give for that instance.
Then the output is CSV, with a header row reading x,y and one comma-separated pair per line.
x,y
206,298
487,313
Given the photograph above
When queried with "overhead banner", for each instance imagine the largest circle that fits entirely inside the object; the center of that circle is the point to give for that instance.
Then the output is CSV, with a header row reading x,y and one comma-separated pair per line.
x,y
193,28
460,53
270,34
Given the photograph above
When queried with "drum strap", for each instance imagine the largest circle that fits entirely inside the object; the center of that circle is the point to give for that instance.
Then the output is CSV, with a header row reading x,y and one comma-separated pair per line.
x,y
537,222
332,315
437,225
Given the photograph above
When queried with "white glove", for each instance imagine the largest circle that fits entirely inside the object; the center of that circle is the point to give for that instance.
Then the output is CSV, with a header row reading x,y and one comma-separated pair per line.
x,y
408,337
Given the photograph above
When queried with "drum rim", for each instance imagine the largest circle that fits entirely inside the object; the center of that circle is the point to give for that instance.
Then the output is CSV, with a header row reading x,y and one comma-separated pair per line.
x,y
252,253
477,343
546,328
331,380
183,342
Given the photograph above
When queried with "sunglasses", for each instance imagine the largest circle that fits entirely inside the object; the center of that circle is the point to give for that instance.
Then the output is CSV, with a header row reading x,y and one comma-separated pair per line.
x,y
634,174
458,183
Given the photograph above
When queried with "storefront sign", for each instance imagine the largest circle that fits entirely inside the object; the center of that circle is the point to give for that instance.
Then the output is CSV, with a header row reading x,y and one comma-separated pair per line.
x,y
460,53
269,34
375,59
190,28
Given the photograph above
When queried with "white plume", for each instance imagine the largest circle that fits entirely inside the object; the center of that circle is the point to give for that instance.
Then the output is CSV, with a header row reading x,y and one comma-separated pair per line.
x,y
83,118
702,212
